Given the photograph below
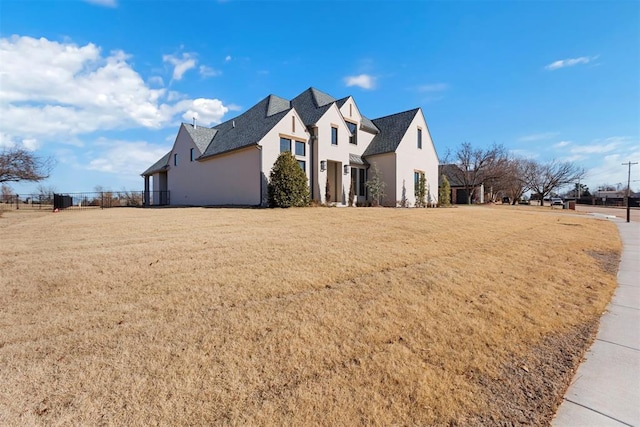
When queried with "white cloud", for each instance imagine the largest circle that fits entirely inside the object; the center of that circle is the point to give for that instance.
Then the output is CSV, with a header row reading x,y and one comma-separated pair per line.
x,y
596,148
156,80
54,91
208,71
180,65
433,87
105,3
364,81
227,58
207,111
570,62
562,144
123,157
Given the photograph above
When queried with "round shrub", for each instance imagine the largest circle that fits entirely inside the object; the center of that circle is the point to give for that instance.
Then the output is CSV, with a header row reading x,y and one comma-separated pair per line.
x,y
288,185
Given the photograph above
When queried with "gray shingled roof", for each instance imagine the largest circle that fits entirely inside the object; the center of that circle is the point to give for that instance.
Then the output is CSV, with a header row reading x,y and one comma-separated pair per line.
x,y
248,128
453,173
158,166
201,136
277,105
392,129
365,123
311,105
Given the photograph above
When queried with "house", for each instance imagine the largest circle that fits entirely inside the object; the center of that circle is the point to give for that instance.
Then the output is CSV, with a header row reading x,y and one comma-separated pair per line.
x,y
334,143
459,191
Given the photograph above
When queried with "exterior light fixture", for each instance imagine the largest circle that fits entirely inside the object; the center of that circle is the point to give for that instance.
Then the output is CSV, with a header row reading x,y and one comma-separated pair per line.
x,y
323,165
346,169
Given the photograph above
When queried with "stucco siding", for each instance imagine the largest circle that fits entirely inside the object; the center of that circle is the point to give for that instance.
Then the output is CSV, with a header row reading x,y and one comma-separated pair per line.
x,y
410,159
386,164
230,179
338,154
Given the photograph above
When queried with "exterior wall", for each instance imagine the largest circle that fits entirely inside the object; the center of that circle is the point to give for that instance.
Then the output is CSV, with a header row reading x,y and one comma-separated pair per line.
x,y
231,179
411,159
386,164
292,127
327,152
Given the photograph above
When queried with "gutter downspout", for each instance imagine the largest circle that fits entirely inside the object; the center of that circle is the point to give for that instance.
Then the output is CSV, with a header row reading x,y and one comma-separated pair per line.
x,y
260,199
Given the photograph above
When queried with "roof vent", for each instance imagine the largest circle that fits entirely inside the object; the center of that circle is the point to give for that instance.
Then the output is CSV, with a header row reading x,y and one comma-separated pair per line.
x,y
233,123
195,123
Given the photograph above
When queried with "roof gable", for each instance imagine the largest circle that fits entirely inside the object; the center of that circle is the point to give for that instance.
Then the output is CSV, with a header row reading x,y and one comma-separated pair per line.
x,y
311,105
391,131
201,136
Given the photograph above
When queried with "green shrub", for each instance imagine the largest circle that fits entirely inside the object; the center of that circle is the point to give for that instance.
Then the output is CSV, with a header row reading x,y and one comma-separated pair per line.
x,y
444,192
288,184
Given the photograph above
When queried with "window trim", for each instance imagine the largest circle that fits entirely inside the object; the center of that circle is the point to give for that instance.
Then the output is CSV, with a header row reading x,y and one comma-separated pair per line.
x,y
419,138
334,128
300,144
175,159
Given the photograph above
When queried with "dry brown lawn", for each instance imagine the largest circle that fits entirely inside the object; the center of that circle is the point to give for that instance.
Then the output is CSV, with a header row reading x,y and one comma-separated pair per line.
x,y
316,316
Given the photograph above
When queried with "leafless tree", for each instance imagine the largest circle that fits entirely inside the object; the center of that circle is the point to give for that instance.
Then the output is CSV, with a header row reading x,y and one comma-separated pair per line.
x,y
513,182
543,178
18,164
7,193
476,166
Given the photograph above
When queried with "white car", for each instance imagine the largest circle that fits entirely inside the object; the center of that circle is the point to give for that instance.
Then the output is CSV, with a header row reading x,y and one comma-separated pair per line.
x,y
557,201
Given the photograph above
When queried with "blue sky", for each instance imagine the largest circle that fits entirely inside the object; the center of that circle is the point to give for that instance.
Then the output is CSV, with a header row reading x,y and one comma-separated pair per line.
x,y
103,85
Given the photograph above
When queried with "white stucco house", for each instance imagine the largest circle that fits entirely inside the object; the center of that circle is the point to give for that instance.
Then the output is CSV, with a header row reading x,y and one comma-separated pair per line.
x,y
229,164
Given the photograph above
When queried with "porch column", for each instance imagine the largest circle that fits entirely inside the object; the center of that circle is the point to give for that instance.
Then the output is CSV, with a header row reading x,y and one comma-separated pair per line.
x,y
146,190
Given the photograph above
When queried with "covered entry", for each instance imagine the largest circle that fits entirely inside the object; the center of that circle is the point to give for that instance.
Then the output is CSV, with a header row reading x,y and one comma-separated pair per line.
x,y
334,176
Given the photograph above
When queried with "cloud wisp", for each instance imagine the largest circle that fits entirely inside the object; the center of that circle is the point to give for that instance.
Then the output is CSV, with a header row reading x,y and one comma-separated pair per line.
x,y
180,65
570,62
103,3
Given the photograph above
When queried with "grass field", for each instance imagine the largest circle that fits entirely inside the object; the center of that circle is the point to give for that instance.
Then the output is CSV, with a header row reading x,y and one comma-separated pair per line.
x,y
461,316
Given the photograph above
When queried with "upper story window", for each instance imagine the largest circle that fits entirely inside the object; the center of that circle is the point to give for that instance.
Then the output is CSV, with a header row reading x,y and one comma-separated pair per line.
x,y
293,124
300,148
353,128
192,155
175,159
334,135
285,145
303,165
420,138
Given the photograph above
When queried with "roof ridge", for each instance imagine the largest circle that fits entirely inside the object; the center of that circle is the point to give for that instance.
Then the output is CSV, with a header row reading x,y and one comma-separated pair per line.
x,y
397,114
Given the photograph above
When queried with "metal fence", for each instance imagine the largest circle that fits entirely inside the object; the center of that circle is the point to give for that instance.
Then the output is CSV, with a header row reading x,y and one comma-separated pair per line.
x,y
83,201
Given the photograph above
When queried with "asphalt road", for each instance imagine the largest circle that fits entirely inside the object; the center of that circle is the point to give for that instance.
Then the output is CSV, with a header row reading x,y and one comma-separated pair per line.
x,y
618,212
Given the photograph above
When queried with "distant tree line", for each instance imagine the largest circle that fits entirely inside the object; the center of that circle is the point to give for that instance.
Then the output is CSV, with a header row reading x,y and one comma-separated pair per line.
x,y
506,175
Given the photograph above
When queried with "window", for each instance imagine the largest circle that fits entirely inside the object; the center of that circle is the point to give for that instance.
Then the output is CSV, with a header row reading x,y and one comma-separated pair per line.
x,y
334,135
293,124
300,148
420,138
353,128
416,180
192,156
303,165
363,179
285,145
175,159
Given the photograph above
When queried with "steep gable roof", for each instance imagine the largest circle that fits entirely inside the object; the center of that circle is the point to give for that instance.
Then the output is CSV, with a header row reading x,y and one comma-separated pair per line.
x,y
365,123
311,105
158,166
392,129
452,172
249,127
201,136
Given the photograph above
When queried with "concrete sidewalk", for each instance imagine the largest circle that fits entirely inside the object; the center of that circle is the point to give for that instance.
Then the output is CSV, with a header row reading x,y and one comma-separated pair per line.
x,y
606,388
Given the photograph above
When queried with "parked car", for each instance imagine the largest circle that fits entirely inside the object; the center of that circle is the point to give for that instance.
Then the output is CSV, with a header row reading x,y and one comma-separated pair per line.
x,y
557,201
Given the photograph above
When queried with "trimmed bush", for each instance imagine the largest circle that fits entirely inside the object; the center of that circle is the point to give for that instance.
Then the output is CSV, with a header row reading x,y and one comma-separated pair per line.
x,y
288,185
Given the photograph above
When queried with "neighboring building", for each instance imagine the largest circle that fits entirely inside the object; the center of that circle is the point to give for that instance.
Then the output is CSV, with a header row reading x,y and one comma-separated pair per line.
x,y
459,192
229,164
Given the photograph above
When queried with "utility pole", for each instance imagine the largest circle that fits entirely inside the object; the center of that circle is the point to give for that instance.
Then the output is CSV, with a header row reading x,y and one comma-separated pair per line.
x,y
629,188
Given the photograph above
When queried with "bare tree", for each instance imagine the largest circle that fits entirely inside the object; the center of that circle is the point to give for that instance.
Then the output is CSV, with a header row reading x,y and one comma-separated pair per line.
x,y
476,166
7,193
514,183
542,179
18,164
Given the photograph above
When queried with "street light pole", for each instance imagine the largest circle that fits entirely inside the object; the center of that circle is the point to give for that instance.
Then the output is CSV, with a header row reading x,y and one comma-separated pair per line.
x,y
629,188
